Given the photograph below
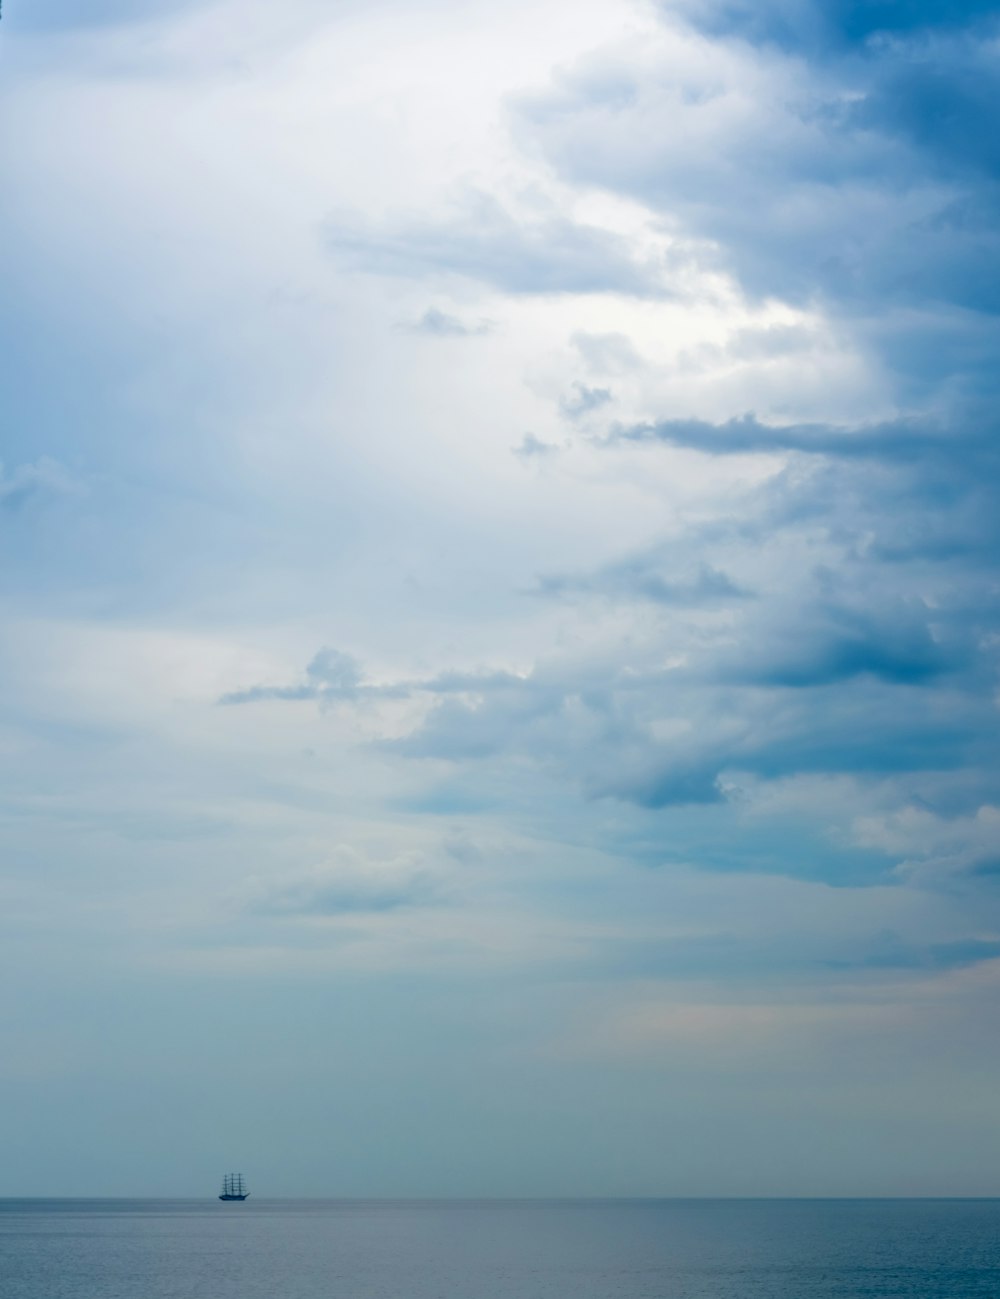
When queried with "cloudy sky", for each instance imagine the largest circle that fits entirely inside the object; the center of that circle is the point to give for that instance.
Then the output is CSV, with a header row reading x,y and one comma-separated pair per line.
x,y
500,530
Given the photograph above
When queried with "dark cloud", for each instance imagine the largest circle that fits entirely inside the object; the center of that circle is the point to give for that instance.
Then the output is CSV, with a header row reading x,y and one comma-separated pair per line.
x,y
660,784
941,100
870,708
805,25
902,492
898,440
891,952
879,657
825,643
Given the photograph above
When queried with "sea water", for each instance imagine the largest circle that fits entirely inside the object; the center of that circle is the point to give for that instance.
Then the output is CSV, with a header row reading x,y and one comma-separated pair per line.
x,y
620,1249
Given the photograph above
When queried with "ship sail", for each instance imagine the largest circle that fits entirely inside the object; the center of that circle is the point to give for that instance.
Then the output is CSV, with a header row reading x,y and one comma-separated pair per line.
x,y
233,1187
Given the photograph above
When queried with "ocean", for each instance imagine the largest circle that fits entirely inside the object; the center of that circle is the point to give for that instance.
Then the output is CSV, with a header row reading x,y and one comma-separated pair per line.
x,y
582,1249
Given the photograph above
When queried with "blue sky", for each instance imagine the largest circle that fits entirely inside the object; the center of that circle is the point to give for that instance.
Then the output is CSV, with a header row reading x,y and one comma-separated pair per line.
x,y
500,594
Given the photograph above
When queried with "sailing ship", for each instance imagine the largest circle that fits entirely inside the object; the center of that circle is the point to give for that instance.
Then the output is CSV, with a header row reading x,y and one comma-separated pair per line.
x,y
233,1187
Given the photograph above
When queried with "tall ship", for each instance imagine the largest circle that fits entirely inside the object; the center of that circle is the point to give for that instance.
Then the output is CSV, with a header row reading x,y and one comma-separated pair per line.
x,y
234,1187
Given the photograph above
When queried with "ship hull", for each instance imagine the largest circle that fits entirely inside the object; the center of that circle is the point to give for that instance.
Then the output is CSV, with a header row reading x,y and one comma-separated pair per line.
x,y
235,1197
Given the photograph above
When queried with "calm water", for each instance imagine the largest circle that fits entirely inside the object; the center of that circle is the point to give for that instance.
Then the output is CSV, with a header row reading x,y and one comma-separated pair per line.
x,y
343,1249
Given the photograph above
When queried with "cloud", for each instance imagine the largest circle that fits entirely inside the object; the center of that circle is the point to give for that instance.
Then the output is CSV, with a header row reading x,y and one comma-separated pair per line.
x,y
534,448
930,845
581,401
61,15
333,676
824,163
890,952
439,324
746,435
641,577
330,676
612,354
460,846
29,483
539,252
667,738
760,660
811,27
826,642
755,344
348,884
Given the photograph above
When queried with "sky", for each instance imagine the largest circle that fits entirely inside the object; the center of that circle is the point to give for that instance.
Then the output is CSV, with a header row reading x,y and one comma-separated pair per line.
x,y
500,511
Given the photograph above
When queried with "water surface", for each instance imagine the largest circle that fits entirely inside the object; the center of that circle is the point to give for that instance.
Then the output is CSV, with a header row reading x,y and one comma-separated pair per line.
x,y
620,1249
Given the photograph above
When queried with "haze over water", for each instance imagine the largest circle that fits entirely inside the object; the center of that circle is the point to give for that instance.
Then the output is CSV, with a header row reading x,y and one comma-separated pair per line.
x,y
805,1249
